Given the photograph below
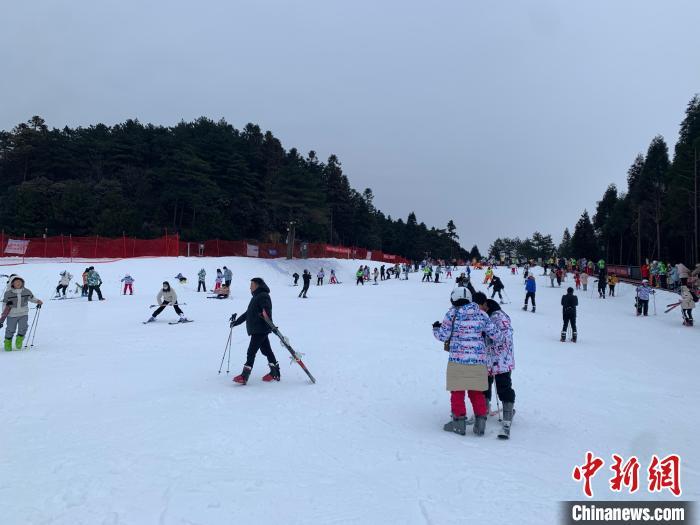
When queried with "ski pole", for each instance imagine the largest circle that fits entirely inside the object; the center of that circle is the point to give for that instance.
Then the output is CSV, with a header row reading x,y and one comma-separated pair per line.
x,y
227,348
31,333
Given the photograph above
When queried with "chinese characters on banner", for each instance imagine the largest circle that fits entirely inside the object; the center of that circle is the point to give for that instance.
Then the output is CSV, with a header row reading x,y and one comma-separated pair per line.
x,y
17,246
664,473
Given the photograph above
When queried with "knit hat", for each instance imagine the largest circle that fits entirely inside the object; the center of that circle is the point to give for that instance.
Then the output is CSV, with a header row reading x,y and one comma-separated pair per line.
x,y
257,280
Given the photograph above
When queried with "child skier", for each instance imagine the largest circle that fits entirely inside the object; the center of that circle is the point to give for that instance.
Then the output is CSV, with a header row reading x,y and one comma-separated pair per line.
x,y
295,275
612,281
128,281
577,279
375,274
319,277
181,278
462,331
552,277
166,297
219,279
360,276
643,293
333,279
687,305
202,280
530,289
497,287
63,283
569,302
16,311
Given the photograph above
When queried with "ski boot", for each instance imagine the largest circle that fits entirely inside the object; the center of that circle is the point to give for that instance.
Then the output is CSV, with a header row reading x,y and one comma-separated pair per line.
x,y
18,342
8,345
457,425
573,337
525,308
274,374
533,309
479,425
242,379
182,319
150,320
508,413
563,337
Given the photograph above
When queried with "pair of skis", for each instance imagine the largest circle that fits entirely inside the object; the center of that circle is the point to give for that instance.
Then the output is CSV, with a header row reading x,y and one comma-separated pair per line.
x,y
285,342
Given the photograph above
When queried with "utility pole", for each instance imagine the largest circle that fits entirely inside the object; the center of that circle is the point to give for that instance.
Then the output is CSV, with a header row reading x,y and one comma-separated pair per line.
x,y
290,239
695,197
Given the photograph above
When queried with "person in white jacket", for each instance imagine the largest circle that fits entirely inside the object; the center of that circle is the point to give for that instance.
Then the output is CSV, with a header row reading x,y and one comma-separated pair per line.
x,y
166,297
687,305
63,283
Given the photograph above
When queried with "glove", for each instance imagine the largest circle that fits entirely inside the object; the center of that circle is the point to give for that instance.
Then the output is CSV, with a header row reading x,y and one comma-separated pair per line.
x,y
437,324
232,322
38,305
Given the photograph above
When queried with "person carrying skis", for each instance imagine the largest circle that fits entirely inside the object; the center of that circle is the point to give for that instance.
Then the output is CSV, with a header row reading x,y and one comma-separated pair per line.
x,y
258,330
360,276
166,297
63,283
569,302
128,281
306,277
643,293
202,280
497,287
94,282
16,311
688,300
462,331
501,361
295,275
530,289
333,279
612,281
319,277
228,277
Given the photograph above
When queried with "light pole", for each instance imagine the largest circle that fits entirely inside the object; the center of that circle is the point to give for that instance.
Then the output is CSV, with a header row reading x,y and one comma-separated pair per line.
x,y
290,239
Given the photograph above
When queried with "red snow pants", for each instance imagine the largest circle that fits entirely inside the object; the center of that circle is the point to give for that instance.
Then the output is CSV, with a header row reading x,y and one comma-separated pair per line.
x,y
477,398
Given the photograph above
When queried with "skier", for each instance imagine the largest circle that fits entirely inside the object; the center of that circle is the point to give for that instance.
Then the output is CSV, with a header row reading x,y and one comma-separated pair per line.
x,y
306,277
295,275
569,302
128,281
643,293
448,269
182,279
360,276
602,279
63,283
333,279
577,279
202,280
84,289
497,287
166,297
16,311
530,289
366,273
559,274
405,272
94,282
462,331
222,293
552,276
437,274
228,277
319,277
488,275
426,274
584,281
375,275
219,279
382,271
687,304
612,281
258,331
501,361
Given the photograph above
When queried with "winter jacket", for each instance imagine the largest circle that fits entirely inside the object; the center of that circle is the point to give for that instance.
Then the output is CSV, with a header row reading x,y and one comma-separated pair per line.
x,y
128,279
93,278
584,278
320,274
202,274
85,278
65,279
169,296
530,286
612,280
687,302
673,274
500,355
496,283
683,271
467,344
569,302
644,291
254,322
306,277
17,300
228,275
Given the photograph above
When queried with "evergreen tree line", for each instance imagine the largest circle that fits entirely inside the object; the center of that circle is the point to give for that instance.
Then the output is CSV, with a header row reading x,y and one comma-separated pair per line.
x,y
654,218
203,179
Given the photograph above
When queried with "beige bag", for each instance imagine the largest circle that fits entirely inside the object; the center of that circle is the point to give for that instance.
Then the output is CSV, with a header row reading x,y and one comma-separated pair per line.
x,y
466,377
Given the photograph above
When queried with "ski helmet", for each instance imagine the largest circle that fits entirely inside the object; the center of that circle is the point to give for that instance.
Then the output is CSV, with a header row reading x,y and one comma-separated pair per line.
x,y
460,294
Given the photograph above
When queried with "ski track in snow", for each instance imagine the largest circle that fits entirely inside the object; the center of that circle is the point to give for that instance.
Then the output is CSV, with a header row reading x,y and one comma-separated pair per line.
x,y
113,422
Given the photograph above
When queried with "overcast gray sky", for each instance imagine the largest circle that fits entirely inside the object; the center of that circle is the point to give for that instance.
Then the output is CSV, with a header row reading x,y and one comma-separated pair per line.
x,y
507,117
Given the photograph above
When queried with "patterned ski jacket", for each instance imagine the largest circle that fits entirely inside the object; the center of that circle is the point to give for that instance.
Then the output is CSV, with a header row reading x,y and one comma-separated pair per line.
x,y
202,274
467,344
128,279
93,278
500,355
643,292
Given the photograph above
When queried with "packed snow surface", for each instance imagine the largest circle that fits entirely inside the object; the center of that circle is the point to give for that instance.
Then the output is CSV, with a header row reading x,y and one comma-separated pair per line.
x,y
109,421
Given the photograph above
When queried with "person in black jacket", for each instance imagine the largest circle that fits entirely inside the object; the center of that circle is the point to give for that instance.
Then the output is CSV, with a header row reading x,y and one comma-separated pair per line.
x,y
497,287
306,276
296,278
258,330
569,302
